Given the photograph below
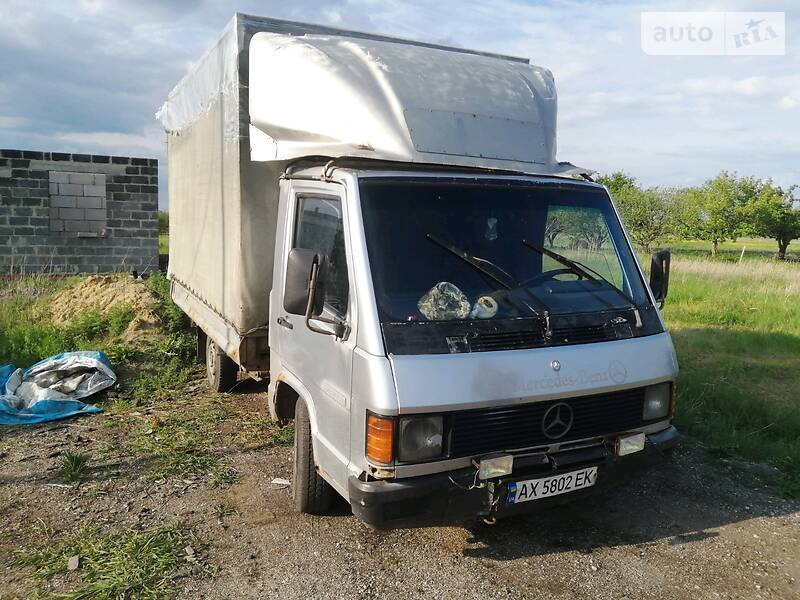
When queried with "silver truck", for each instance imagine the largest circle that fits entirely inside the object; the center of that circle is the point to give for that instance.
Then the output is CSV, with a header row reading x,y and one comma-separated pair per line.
x,y
456,322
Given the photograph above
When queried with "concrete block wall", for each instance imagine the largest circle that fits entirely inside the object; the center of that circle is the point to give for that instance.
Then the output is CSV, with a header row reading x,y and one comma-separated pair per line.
x,y
77,213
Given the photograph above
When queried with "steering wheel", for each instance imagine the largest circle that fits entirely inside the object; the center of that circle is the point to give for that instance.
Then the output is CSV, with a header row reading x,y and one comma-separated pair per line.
x,y
547,276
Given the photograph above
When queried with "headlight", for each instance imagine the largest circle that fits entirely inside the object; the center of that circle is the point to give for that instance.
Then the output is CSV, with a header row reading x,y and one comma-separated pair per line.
x,y
420,438
656,401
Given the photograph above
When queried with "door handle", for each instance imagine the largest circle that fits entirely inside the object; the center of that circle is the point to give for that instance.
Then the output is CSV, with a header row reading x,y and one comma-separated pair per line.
x,y
284,322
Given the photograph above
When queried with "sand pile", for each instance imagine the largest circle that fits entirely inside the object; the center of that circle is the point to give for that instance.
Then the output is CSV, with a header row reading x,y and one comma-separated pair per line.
x,y
104,292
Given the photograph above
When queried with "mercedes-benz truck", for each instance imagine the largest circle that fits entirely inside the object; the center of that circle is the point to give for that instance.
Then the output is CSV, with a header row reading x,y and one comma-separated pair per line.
x,y
456,322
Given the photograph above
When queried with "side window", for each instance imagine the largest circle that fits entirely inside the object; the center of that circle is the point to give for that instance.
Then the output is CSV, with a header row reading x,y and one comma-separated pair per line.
x,y
320,228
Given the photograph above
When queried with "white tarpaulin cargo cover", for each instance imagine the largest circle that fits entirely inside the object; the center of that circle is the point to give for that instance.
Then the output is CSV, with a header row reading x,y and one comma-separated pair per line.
x,y
272,91
308,90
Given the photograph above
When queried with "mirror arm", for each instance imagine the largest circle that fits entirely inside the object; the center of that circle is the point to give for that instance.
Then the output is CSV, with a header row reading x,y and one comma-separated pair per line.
x,y
340,329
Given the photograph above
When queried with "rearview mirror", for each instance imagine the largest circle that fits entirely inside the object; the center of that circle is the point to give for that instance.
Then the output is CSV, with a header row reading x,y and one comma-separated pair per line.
x,y
298,279
304,292
659,276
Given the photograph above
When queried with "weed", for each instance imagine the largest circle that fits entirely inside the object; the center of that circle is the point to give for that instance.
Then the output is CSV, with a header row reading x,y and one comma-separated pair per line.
x,y
220,511
173,319
263,430
183,443
88,325
119,317
116,564
122,353
74,466
223,474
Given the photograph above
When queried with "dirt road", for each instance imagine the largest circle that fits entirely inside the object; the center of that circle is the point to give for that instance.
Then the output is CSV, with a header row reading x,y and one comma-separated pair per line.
x,y
696,527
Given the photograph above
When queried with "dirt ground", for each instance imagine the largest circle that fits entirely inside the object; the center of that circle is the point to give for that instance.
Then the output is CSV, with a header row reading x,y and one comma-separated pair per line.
x,y
696,527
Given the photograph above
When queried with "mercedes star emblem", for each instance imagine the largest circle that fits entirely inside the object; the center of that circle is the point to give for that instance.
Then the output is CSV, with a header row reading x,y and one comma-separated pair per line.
x,y
556,365
557,421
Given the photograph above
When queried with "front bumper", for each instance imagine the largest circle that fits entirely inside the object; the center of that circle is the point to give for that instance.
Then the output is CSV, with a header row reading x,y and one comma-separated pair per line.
x,y
448,499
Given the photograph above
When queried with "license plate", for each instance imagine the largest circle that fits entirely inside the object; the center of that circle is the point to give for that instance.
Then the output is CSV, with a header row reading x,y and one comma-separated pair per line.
x,y
534,489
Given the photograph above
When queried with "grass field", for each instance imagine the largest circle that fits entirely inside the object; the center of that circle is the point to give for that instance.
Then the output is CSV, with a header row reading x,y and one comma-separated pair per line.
x,y
737,334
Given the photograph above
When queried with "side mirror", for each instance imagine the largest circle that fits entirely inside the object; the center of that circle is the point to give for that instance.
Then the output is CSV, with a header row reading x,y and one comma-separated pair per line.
x,y
298,282
659,276
304,292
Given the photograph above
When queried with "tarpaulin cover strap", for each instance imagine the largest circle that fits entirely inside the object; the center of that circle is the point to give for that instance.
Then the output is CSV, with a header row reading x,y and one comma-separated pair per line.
x,y
53,388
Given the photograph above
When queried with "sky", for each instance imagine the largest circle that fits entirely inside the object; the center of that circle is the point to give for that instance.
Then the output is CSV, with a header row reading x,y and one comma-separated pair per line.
x,y
89,75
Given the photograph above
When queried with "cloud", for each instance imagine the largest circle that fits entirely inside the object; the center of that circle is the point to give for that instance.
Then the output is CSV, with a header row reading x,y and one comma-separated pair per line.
x,y
12,122
790,100
88,75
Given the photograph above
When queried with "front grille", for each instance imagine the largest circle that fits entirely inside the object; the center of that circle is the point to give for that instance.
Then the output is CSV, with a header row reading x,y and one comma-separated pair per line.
x,y
511,427
518,340
514,340
582,335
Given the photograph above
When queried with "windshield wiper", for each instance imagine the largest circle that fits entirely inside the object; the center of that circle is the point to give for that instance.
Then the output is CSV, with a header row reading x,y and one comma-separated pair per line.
x,y
583,271
508,283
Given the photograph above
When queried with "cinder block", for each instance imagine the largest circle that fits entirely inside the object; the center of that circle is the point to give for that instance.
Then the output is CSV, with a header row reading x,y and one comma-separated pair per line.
x,y
96,226
81,178
77,225
56,225
100,179
54,213
5,172
71,189
53,188
90,202
59,177
63,201
70,213
95,214
94,190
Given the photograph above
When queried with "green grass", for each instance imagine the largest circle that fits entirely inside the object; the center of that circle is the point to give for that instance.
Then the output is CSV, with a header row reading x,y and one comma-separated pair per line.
x,y
114,564
183,443
221,511
73,466
173,319
737,334
163,243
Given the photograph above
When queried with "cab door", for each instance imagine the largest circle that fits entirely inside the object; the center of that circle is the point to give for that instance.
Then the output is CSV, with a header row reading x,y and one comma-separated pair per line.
x,y
315,218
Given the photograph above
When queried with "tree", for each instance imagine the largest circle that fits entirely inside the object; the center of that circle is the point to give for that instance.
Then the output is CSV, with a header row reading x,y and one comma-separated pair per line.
x,y
554,227
617,182
163,222
648,213
715,211
774,214
586,227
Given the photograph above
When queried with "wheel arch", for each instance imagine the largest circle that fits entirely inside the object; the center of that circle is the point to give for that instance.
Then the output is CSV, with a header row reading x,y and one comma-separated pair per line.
x,y
284,395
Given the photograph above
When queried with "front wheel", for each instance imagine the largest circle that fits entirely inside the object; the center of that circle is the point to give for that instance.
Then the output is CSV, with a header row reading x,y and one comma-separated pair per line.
x,y
220,368
312,494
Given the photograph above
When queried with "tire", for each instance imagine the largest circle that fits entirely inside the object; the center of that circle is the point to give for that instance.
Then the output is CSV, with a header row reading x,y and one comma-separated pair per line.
x,y
312,494
220,368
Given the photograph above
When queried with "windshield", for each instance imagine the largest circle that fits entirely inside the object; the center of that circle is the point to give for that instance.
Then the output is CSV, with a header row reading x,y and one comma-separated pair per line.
x,y
475,250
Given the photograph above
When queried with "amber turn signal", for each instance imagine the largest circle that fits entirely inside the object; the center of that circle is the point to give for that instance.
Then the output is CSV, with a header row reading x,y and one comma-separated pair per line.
x,y
380,439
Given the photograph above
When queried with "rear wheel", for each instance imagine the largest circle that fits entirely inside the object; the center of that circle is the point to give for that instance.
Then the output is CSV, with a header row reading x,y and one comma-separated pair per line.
x,y
220,368
312,494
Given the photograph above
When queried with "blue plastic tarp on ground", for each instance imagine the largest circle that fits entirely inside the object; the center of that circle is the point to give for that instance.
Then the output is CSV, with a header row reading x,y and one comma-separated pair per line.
x,y
53,388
